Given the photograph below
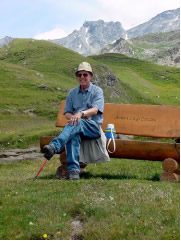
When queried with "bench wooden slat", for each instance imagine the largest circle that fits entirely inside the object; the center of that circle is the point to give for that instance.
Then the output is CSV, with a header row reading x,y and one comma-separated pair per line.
x,y
130,149
145,150
139,120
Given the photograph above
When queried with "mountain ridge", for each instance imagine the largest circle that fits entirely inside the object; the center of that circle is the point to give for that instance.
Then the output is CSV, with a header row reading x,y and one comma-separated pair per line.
x,y
92,36
162,48
95,35
163,22
5,41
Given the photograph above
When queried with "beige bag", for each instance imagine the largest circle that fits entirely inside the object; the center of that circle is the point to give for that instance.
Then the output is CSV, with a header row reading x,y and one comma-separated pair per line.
x,y
94,150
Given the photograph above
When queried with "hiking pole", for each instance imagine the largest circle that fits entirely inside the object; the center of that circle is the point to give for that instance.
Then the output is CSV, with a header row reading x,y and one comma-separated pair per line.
x,y
41,168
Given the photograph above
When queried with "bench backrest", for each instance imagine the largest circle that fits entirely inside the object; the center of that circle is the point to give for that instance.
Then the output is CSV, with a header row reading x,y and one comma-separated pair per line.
x,y
140,120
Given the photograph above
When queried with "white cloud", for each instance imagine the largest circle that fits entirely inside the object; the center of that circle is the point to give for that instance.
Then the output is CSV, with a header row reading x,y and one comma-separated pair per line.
x,y
133,12
53,34
129,12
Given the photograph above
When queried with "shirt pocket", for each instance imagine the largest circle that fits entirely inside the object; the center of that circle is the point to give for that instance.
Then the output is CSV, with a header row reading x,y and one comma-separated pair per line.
x,y
77,105
89,104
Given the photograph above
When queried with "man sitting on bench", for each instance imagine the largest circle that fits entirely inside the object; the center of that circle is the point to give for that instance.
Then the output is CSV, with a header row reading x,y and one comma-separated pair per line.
x,y
83,109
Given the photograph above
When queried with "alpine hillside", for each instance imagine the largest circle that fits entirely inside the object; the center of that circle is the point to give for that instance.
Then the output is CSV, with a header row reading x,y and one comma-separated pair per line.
x,y
35,76
161,48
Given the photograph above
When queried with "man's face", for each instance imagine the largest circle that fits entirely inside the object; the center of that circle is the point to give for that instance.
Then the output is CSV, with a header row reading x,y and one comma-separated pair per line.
x,y
84,78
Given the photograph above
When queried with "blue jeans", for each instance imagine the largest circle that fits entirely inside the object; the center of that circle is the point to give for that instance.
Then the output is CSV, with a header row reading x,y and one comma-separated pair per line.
x,y
71,137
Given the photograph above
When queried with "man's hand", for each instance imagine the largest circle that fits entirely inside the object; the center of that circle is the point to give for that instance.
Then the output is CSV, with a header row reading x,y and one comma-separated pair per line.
x,y
75,119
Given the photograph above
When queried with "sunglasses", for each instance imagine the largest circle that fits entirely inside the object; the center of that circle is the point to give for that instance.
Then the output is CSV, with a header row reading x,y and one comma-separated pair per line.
x,y
80,75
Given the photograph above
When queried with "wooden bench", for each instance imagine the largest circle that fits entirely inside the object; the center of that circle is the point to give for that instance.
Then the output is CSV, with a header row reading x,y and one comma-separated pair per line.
x,y
138,120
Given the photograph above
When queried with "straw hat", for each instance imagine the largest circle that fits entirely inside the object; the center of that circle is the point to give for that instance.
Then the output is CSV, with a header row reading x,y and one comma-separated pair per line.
x,y
84,66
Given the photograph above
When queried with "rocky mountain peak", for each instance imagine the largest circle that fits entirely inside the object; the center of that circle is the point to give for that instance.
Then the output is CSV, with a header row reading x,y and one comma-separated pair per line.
x,y
5,41
92,36
164,22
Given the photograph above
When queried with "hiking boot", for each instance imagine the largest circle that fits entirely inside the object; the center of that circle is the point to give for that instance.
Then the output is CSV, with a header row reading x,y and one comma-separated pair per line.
x,y
74,175
48,151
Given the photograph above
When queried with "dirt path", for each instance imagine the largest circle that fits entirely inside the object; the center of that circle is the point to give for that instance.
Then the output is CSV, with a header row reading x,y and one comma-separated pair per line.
x,y
16,155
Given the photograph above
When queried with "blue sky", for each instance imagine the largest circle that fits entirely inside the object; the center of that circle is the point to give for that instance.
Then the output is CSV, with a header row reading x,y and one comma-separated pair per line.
x,y
51,19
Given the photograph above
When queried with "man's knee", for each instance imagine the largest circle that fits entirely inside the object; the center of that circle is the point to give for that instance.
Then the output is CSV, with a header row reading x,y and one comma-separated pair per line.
x,y
82,121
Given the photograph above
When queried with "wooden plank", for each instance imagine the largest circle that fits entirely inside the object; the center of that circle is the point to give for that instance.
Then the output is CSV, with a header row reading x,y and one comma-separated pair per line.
x,y
143,120
139,120
61,120
155,151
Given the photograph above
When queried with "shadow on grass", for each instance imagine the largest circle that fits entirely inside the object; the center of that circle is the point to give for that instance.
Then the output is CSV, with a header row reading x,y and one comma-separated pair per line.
x,y
89,175
155,178
51,176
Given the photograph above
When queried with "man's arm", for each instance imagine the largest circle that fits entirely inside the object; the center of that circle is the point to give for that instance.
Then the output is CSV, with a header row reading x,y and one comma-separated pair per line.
x,y
89,112
68,115
73,119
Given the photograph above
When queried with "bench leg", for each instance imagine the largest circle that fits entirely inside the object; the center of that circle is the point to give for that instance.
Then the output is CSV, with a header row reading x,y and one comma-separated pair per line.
x,y
171,170
62,171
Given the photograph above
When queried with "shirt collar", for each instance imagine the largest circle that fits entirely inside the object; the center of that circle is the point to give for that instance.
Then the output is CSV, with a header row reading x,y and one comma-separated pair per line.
x,y
88,89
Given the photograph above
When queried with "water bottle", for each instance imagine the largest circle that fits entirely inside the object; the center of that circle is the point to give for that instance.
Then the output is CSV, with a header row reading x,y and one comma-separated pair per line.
x,y
110,133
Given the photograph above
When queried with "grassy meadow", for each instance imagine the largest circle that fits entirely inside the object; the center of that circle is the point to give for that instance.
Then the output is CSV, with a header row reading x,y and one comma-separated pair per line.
x,y
150,83
122,199
119,200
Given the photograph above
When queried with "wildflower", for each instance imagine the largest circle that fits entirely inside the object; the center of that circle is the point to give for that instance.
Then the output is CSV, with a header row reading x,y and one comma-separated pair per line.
x,y
58,233
45,236
111,198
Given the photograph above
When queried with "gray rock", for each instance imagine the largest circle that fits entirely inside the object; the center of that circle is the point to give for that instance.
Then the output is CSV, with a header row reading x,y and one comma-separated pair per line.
x,y
120,46
161,48
77,229
16,155
164,22
92,37
45,87
105,79
5,41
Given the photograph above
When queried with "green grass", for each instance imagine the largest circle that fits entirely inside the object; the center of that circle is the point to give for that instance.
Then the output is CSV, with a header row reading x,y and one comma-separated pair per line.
x,y
146,82
21,131
122,200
